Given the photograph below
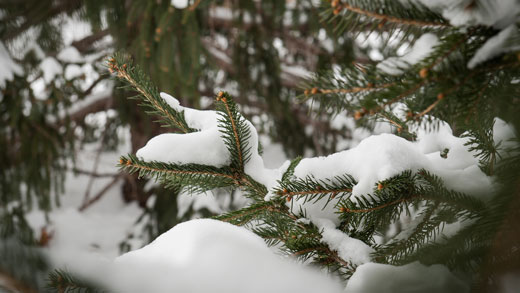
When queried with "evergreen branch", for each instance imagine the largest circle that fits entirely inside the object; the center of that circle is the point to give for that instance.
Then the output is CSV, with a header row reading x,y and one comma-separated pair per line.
x,y
198,177
312,189
290,170
338,6
422,233
235,130
62,281
482,143
369,87
247,214
141,83
255,189
431,187
367,210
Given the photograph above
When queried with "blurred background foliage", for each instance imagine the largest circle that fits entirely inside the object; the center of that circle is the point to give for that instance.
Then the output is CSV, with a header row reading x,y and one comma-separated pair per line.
x,y
260,51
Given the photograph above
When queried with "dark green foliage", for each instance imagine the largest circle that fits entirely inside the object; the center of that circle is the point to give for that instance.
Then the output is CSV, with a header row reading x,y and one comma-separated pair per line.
x,y
314,190
63,281
197,178
235,130
386,15
156,105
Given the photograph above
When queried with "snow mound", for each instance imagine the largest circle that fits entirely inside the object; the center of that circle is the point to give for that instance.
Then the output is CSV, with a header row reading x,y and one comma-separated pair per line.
x,y
212,256
413,277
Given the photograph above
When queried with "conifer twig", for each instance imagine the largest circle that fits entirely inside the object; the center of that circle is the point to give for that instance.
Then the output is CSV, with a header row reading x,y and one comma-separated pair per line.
x,y
383,18
136,165
348,210
221,98
369,87
123,73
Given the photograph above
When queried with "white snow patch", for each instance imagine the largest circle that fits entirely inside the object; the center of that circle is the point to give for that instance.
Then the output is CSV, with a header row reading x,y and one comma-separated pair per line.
x,y
70,55
50,68
73,71
349,249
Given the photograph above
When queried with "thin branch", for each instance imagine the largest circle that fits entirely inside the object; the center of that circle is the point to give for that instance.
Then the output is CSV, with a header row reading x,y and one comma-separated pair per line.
x,y
100,194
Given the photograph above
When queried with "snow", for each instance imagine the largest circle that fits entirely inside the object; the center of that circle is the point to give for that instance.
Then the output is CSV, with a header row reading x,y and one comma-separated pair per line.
x,y
349,249
9,67
73,71
180,4
203,147
206,146
420,50
70,55
380,157
50,68
196,256
413,277
495,46
462,13
82,239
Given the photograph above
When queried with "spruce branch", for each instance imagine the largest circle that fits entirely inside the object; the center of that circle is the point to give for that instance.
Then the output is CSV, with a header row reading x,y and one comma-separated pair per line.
x,y
235,130
311,189
250,213
384,15
368,87
135,77
61,281
195,177
428,227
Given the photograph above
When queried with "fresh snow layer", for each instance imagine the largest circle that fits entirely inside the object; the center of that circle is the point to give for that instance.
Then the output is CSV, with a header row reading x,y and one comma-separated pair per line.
x,y
202,147
380,157
206,146
211,256
420,50
9,67
413,277
496,46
